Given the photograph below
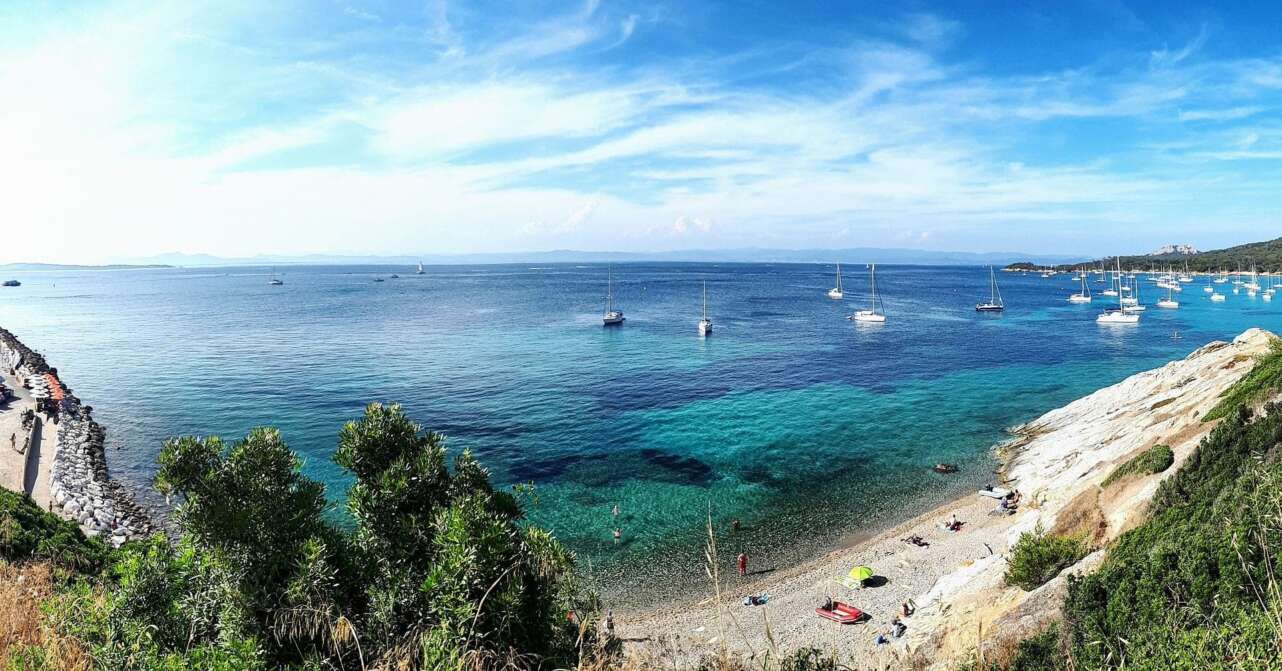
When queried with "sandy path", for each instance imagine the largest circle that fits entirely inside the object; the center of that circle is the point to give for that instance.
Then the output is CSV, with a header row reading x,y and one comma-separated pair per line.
x,y
909,572
13,464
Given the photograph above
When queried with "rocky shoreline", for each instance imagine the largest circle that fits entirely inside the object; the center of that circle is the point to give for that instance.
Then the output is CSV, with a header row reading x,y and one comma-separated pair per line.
x,y
80,485
1058,461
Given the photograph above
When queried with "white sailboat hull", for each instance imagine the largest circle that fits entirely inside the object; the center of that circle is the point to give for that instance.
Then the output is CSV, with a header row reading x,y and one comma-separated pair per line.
x,y
1118,318
869,316
705,327
836,294
1078,298
612,318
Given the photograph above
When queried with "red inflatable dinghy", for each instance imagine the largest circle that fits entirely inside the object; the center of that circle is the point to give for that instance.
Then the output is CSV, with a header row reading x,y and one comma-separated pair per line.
x,y
842,613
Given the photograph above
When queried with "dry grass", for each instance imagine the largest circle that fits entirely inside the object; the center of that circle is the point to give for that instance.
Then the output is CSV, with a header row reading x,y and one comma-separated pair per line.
x,y
22,629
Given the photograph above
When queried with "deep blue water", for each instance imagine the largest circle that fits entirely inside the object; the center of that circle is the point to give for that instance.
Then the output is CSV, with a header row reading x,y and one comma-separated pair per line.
x,y
807,427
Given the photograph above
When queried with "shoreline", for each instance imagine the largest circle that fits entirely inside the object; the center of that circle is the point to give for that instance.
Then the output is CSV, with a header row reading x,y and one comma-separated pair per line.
x,y
1058,462
74,478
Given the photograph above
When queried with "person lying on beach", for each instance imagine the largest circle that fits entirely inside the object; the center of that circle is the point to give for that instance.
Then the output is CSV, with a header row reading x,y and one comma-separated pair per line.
x,y
898,628
917,540
881,639
908,608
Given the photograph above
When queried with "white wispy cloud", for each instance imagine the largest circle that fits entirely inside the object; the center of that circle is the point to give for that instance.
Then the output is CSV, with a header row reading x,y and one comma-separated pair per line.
x,y
482,148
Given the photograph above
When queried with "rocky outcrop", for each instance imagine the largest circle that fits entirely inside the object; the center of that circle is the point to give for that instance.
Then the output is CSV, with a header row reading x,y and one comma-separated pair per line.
x,y
80,485
1059,462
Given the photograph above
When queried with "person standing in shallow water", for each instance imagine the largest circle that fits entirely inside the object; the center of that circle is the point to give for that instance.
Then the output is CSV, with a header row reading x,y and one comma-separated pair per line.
x,y
741,563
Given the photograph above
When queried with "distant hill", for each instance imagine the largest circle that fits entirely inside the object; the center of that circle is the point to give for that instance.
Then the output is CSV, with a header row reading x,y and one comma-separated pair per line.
x,y
747,255
1265,256
64,266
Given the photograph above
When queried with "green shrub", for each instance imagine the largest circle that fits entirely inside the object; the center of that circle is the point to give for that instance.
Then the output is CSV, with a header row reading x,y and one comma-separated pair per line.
x,y
1265,378
29,533
1038,557
1153,460
1194,587
1040,652
438,570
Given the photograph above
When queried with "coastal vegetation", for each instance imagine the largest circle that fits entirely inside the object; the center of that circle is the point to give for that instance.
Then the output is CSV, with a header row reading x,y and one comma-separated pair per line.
x,y
1264,256
1155,459
436,569
1038,557
1265,378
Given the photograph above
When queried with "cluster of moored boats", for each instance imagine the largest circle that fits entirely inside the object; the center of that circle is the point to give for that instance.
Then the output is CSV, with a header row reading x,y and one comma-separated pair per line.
x,y
1125,287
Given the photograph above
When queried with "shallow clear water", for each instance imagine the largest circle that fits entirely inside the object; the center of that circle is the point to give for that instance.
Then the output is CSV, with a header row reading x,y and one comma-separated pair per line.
x,y
807,427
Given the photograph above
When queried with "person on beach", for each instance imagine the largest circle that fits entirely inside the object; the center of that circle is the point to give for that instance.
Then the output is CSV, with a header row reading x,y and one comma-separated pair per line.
x,y
897,628
618,535
908,608
615,512
734,525
741,563
881,638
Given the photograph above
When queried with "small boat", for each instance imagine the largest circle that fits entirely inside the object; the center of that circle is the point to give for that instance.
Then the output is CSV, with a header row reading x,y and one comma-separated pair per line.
x,y
946,468
11,283
611,317
378,279
420,269
1083,296
1169,302
395,276
841,613
275,281
995,303
1118,315
705,324
1217,297
873,314
835,292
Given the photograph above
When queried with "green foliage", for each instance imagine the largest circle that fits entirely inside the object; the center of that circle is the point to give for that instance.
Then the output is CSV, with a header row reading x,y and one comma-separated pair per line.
x,y
29,533
1038,557
1194,587
437,572
1040,652
443,555
1153,460
1265,378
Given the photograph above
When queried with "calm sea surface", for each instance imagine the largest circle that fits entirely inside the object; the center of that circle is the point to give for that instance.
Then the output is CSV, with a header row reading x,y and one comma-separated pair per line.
x,y
803,425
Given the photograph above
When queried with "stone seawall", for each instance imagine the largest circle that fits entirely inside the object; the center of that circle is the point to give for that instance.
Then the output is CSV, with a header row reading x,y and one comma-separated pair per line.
x,y
80,486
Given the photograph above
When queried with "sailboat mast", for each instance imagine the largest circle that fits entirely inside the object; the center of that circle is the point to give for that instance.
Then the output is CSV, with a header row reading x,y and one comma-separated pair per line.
x,y
705,300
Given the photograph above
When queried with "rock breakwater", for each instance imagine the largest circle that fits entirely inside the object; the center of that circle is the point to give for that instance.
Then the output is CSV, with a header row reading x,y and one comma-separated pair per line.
x,y
80,486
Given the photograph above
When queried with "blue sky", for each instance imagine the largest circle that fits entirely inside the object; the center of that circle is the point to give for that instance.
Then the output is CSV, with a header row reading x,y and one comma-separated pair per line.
x,y
338,126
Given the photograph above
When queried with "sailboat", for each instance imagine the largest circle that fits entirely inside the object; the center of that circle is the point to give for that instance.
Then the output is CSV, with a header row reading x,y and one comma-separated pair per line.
x,y
705,324
275,281
420,270
1114,281
1134,304
1083,296
611,317
835,292
995,303
1118,315
876,313
1169,302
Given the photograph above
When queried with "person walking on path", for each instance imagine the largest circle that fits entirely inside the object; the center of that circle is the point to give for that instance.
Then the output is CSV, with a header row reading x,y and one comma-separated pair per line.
x,y
741,563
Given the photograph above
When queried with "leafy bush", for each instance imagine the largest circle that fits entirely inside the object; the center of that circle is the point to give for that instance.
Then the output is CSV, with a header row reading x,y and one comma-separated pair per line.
x,y
1264,378
437,572
1038,557
1153,460
1194,587
29,533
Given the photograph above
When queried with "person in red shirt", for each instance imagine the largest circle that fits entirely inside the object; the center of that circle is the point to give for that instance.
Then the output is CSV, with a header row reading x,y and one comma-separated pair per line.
x,y
742,563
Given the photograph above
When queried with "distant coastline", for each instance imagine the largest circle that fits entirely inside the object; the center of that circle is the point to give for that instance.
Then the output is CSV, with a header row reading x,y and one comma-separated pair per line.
x,y
26,267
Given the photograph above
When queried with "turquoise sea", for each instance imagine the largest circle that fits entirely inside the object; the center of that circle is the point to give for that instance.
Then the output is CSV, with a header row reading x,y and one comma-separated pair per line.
x,y
808,428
